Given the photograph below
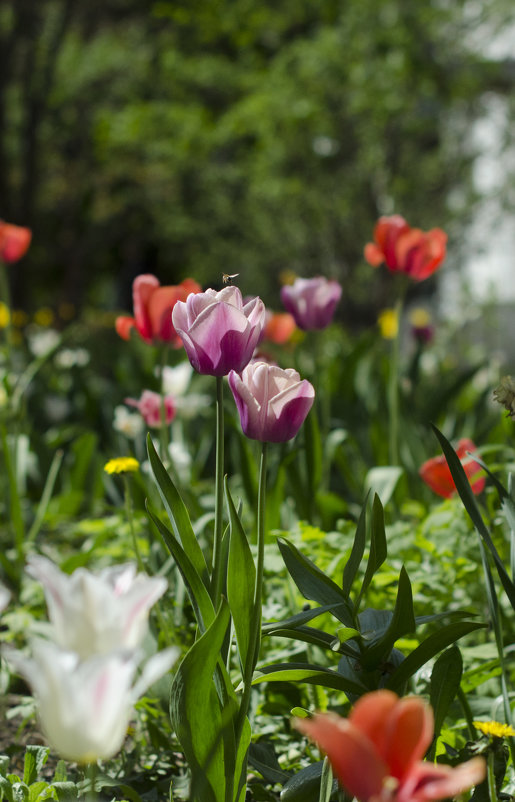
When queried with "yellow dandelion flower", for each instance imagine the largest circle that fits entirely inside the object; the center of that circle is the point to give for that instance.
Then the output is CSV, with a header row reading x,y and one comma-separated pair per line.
x,y
5,315
121,465
494,728
44,317
388,322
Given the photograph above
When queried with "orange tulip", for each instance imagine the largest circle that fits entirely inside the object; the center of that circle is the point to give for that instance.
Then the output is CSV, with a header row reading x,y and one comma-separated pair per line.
x,y
153,305
406,250
14,241
279,327
377,752
436,473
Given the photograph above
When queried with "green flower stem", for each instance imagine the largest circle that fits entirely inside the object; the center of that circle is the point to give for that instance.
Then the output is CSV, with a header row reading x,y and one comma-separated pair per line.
x,y
255,622
15,502
393,390
219,491
164,439
492,791
130,517
91,782
467,712
493,606
5,296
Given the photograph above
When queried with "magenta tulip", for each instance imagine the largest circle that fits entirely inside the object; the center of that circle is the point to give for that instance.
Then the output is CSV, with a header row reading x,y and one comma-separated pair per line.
x,y
311,301
219,331
272,403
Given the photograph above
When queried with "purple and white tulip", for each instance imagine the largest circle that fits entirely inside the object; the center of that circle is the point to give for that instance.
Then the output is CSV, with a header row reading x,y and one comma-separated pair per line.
x,y
219,331
272,403
311,301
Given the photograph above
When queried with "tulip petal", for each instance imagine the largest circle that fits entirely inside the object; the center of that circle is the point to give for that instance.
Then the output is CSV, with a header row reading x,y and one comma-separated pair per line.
x,y
370,715
355,761
123,325
427,781
408,733
142,289
14,241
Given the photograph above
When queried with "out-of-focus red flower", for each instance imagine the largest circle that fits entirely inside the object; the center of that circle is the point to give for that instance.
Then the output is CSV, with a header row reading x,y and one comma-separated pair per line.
x,y
153,305
436,473
14,241
377,752
406,250
279,327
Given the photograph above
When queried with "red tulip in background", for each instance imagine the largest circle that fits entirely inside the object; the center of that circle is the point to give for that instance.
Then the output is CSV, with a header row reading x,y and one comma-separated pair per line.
x,y
151,407
436,473
153,305
377,752
406,250
14,241
279,327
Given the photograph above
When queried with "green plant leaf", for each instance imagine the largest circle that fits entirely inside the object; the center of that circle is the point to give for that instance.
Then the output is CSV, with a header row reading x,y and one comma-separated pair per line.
x,y
197,591
241,580
177,512
311,674
313,583
445,683
35,758
467,496
196,714
383,480
428,649
357,551
378,551
304,786
298,619
317,637
402,622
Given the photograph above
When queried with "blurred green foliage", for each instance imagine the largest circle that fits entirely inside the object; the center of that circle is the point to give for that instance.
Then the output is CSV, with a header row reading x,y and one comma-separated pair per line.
x,y
188,137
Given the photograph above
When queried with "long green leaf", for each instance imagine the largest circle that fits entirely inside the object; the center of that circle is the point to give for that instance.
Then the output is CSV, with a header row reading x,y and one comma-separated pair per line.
x,y
313,675
196,713
299,619
241,580
358,549
402,622
197,591
313,583
467,496
317,637
428,649
445,683
177,512
378,551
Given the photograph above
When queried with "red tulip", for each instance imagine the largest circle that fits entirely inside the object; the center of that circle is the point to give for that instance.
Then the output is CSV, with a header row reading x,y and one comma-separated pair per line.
x,y
14,241
151,407
153,305
436,473
406,250
377,752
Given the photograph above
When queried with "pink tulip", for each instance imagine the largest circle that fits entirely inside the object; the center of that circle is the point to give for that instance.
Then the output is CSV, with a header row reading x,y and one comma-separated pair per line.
x,y
406,250
219,331
14,241
311,301
377,752
272,403
150,407
153,305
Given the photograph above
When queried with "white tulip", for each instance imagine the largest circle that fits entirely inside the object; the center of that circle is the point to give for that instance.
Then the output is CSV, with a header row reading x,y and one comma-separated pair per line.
x,y
93,614
85,706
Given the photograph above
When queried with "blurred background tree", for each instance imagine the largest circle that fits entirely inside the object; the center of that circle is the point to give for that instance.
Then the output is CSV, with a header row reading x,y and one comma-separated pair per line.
x,y
192,137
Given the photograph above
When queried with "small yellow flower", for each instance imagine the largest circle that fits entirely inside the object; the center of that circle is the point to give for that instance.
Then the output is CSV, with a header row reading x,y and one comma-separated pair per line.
x,y
287,277
388,322
121,465
5,315
44,317
494,728
420,317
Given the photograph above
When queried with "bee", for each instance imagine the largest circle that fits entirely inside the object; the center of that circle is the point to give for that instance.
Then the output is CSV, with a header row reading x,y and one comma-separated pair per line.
x,y
227,279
